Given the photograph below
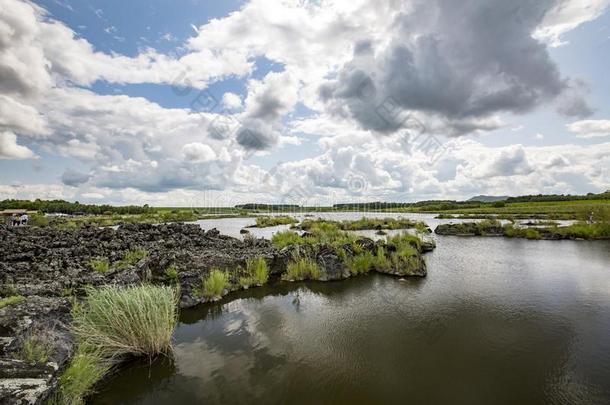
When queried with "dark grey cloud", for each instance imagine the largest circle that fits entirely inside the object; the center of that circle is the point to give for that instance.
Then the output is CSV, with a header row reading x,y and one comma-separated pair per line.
x,y
253,139
572,103
453,59
510,163
74,178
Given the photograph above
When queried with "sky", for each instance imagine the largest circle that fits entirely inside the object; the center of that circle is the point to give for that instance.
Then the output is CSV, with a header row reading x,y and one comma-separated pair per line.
x,y
209,103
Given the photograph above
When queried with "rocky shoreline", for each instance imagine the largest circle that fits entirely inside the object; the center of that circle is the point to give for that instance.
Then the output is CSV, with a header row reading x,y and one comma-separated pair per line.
x,y
51,268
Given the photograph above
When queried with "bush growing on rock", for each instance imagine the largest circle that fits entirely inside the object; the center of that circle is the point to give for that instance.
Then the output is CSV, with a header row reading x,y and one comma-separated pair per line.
x,y
215,283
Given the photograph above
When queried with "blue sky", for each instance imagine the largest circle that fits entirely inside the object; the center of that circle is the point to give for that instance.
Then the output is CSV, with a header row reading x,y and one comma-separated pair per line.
x,y
99,101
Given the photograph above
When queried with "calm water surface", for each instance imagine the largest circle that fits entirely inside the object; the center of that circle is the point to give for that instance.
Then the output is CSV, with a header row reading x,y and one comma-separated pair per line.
x,y
497,321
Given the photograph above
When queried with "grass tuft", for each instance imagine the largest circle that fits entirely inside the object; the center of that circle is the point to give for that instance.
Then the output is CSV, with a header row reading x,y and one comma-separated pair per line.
x,y
302,269
119,321
100,265
171,273
78,379
286,238
361,263
12,300
132,257
215,283
36,349
258,270
114,322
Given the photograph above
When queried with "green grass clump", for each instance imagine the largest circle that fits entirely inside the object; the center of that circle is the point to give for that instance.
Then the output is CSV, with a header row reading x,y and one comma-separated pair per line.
x,y
318,232
215,283
171,273
531,233
264,222
258,269
361,263
12,300
381,261
404,240
246,282
36,349
100,265
286,238
598,230
302,268
38,220
132,257
77,381
110,324
256,273
120,321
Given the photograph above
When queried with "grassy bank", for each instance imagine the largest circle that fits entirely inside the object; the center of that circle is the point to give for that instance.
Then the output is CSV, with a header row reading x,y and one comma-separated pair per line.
x,y
560,210
366,224
581,230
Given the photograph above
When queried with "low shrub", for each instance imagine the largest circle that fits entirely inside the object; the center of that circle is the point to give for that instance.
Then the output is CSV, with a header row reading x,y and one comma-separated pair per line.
x,y
38,220
12,300
215,283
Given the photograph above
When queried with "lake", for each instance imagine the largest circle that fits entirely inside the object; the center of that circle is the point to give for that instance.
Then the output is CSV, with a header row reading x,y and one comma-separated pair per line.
x,y
496,321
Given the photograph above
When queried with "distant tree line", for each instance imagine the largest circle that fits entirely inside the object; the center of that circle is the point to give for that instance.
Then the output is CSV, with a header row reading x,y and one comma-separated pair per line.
x,y
65,207
371,206
559,197
267,206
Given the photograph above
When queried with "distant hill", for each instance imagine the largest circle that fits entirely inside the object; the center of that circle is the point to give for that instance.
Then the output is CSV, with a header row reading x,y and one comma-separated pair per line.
x,y
488,198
